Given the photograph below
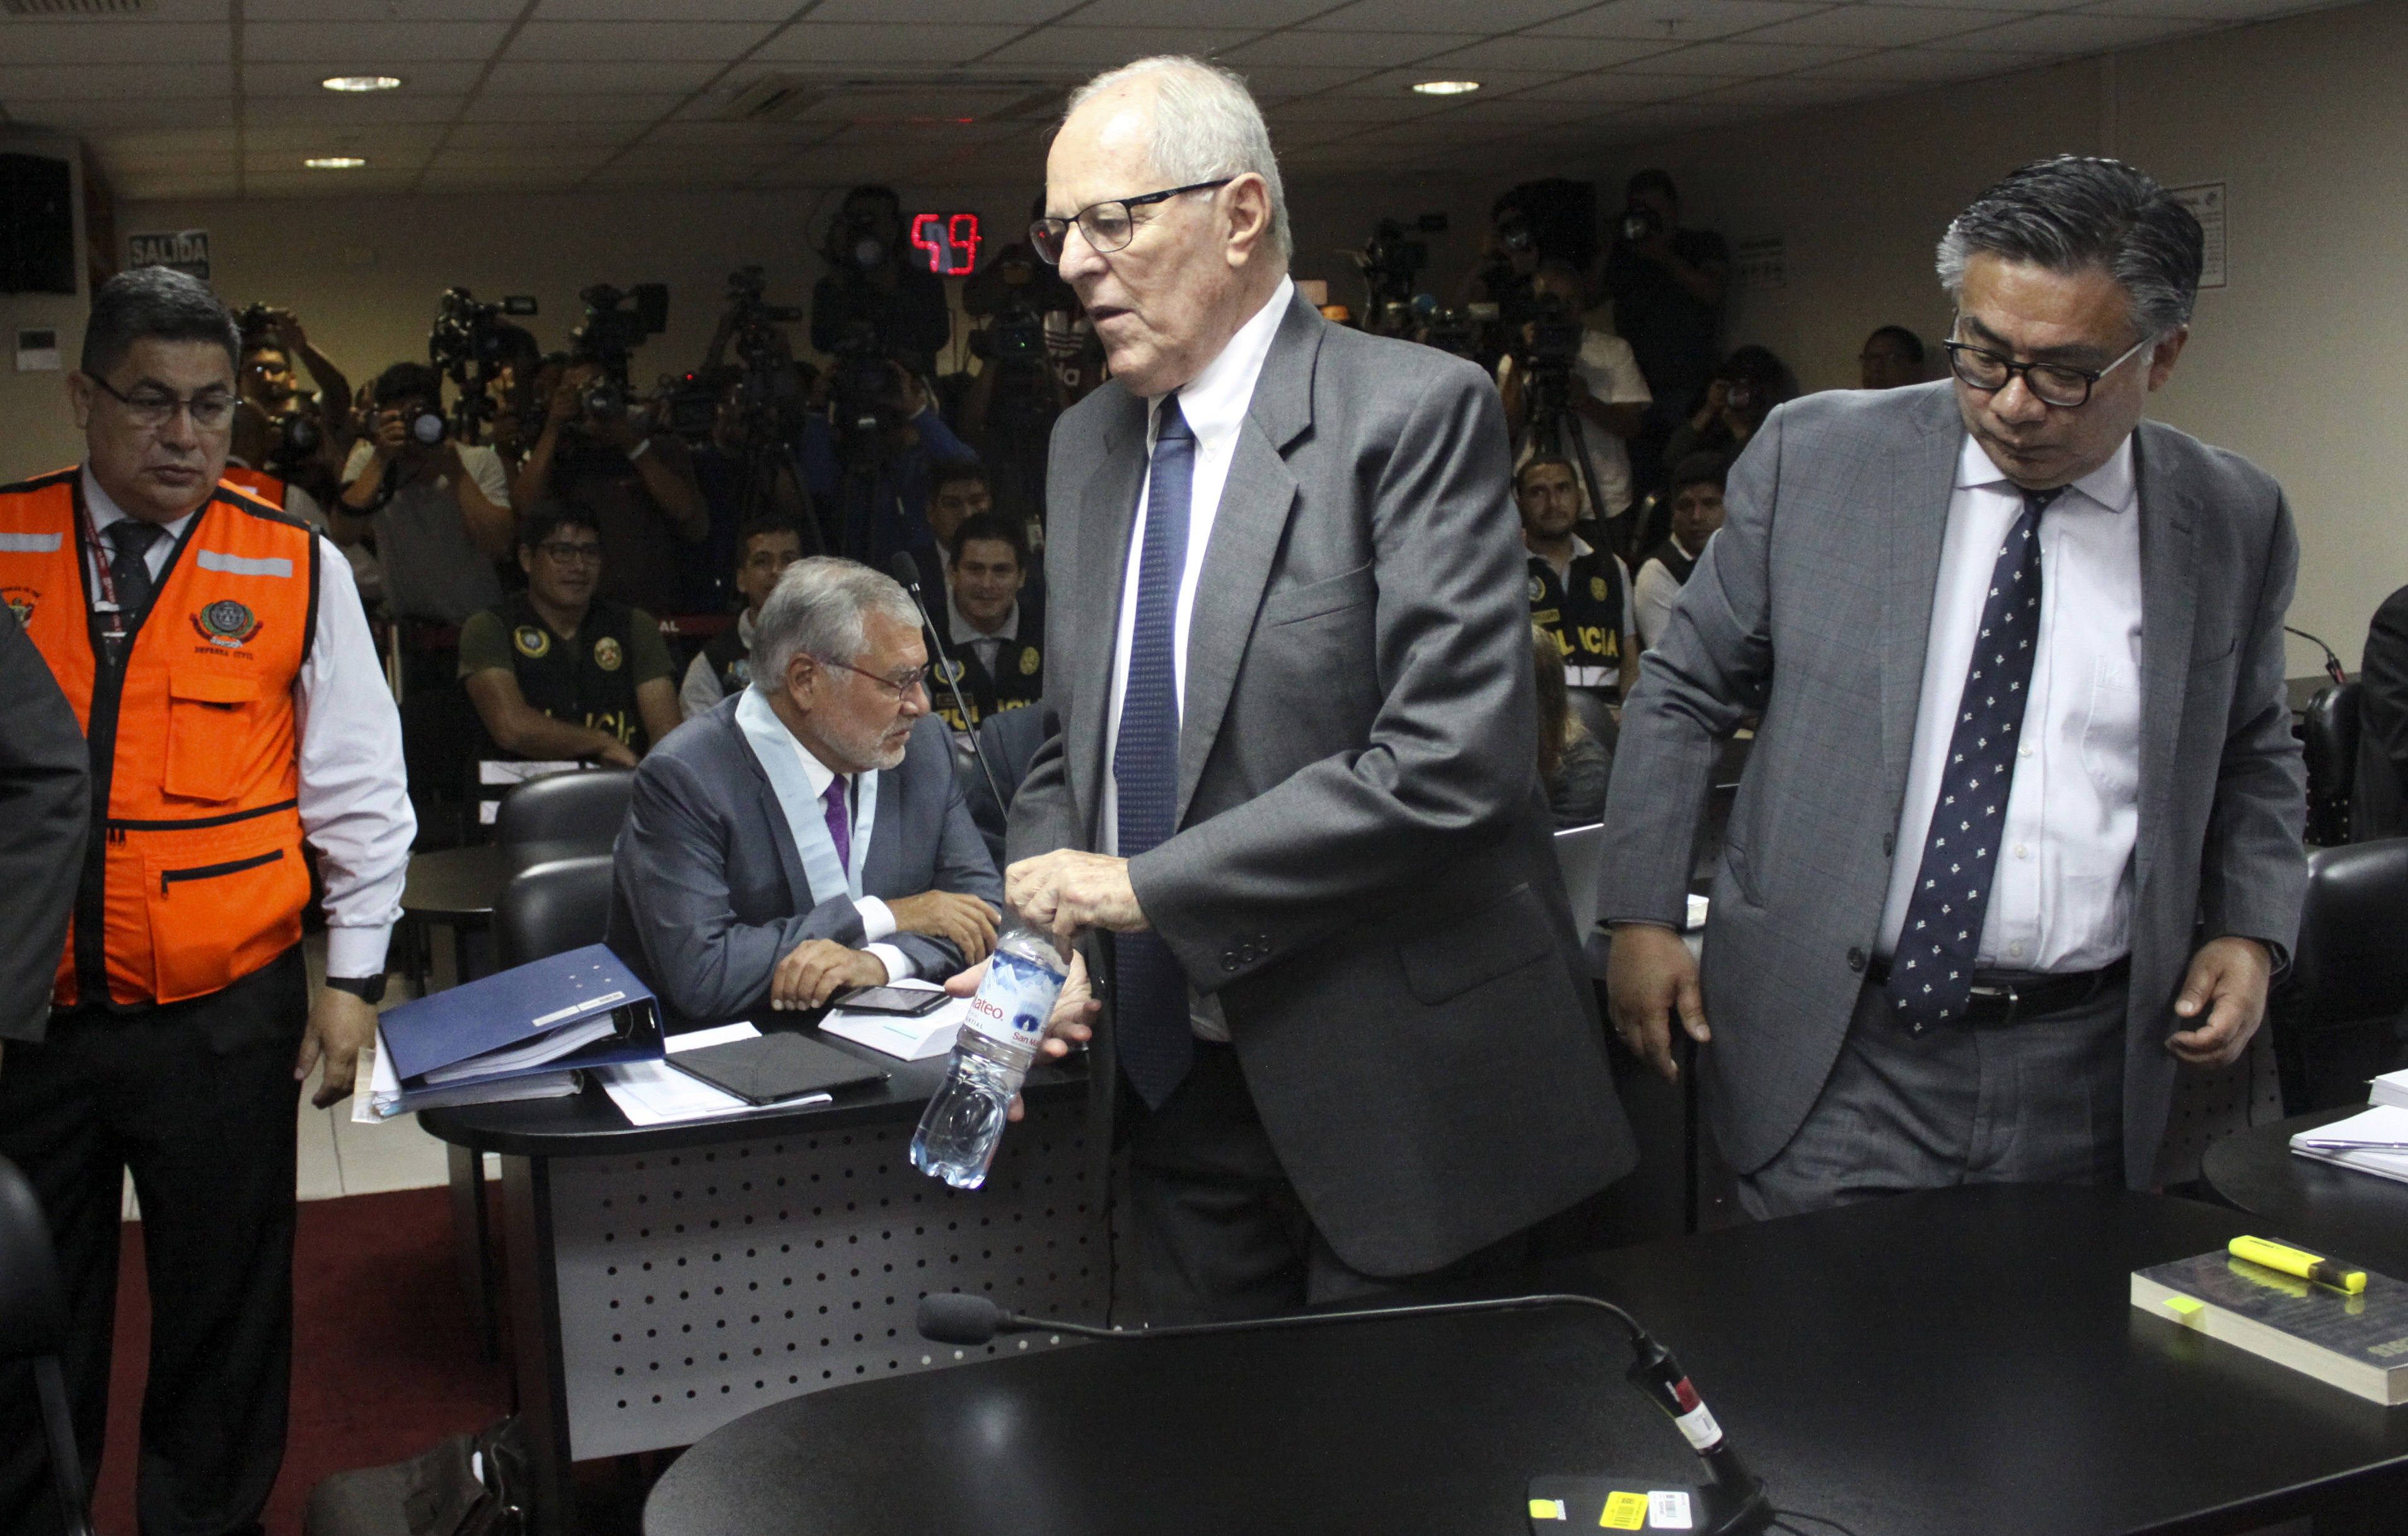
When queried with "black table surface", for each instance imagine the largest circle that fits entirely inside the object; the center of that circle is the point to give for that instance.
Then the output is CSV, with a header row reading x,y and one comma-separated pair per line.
x,y
2359,1217
588,1125
464,882
1961,1361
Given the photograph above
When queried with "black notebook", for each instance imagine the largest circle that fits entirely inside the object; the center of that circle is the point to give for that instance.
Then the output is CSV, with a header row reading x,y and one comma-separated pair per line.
x,y
774,1068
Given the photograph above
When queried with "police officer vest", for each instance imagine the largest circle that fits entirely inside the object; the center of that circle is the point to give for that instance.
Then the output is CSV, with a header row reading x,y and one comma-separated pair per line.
x,y
1584,616
585,680
1670,555
730,659
194,877
1017,681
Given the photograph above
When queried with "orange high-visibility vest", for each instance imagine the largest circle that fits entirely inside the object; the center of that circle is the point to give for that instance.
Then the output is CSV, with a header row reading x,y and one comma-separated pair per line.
x,y
195,879
267,487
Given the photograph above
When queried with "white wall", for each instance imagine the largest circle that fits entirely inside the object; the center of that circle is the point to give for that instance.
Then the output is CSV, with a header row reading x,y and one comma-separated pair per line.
x,y
2296,364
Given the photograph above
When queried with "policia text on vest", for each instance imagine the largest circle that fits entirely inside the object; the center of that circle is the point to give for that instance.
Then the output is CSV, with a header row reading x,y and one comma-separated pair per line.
x,y
1584,613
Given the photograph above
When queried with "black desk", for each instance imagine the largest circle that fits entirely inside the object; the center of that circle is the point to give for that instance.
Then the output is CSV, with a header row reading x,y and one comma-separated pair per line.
x,y
2356,1216
1963,1361
664,1280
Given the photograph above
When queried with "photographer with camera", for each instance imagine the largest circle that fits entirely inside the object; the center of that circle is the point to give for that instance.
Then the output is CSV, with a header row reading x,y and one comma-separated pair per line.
x,y
1741,395
1667,284
602,453
1009,411
1574,392
307,431
870,462
876,282
438,511
747,477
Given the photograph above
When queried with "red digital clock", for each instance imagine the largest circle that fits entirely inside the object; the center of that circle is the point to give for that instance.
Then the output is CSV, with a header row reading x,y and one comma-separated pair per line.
x,y
950,240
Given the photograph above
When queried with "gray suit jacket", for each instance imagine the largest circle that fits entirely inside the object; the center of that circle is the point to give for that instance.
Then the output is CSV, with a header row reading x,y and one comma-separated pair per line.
x,y
43,803
709,891
1813,605
1363,874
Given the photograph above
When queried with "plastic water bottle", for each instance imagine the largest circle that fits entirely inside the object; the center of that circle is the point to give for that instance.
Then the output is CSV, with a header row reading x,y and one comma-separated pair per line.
x,y
963,1122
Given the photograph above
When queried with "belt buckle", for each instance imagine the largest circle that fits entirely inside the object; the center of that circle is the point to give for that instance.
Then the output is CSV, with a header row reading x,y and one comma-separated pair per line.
x,y
2013,999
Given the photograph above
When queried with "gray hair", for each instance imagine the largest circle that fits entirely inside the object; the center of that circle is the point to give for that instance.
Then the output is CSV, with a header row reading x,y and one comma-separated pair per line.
x,y
1206,126
2076,211
820,607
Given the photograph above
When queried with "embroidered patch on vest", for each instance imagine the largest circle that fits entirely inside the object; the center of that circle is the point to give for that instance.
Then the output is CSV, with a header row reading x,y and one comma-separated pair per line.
x,y
606,653
532,640
22,602
1029,662
1597,587
225,623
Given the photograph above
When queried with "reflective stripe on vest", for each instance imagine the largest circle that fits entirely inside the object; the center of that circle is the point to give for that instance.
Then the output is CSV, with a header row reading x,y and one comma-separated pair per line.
x,y
200,879
267,487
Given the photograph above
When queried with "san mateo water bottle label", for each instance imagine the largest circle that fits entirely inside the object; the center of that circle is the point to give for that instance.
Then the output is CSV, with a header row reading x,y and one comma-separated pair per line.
x,y
1013,1002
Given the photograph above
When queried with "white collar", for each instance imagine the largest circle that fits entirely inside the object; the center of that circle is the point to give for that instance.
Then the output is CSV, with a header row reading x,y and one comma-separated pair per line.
x,y
1580,548
1687,553
106,511
1215,401
744,628
818,774
2112,486
967,632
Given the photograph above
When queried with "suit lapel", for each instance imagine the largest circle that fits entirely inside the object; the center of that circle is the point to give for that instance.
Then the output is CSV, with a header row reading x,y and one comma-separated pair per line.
x,y
1248,529
773,816
1915,527
2169,595
883,860
1106,512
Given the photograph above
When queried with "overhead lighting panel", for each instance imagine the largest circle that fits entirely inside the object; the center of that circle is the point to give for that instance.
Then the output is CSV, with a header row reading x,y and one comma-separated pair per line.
x,y
361,84
334,163
1446,88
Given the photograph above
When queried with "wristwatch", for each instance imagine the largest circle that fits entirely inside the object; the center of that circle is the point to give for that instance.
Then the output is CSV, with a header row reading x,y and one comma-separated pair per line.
x,y
368,989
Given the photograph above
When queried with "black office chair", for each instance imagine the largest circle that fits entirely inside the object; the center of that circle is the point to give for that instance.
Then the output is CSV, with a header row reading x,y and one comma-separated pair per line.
x,y
581,810
550,907
2334,1016
2328,735
32,1325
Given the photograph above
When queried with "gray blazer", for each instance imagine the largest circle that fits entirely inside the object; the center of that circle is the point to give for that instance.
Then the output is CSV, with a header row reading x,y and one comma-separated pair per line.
x,y
44,806
1363,874
709,891
1813,605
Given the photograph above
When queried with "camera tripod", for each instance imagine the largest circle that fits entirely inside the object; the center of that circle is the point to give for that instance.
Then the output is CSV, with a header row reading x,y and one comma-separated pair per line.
x,y
1554,428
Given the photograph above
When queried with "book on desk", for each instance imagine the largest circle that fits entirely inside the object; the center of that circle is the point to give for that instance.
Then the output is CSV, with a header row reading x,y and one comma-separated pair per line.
x,y
521,1033
2357,1343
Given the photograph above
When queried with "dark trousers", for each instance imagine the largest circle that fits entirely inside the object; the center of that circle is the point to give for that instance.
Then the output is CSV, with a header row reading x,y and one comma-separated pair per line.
x,y
1218,1230
198,1098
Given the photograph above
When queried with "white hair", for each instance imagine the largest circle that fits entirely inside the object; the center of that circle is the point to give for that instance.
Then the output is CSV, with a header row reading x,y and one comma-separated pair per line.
x,y
818,608
1206,126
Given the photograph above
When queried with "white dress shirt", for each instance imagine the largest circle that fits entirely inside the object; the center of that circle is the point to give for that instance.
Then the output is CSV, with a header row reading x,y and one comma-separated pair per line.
x,y
354,794
877,917
1214,403
1654,592
2062,898
961,632
700,693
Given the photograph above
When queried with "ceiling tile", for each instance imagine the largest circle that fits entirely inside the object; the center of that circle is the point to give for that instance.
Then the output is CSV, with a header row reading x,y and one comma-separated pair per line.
x,y
654,11
388,46
1342,108
331,109
904,101
1745,57
154,10
93,42
155,144
1680,21
697,138
1993,5
1922,65
451,76
939,134
1528,111
176,187
1626,87
1443,15
1792,91
1228,13
1642,123
2073,34
21,86
324,11
1400,82
1549,53
302,139
1103,48
832,43
1361,49
1874,26
534,155
87,114
1273,81
719,41
2208,10
540,76
498,136
599,106
1013,12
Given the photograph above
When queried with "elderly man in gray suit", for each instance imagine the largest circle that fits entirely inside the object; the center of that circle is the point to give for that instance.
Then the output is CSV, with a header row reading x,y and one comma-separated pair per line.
x,y
807,835
1291,754
2021,828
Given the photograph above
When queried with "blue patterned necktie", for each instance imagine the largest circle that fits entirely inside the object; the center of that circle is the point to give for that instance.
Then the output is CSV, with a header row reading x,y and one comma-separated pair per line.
x,y
1932,975
1150,1009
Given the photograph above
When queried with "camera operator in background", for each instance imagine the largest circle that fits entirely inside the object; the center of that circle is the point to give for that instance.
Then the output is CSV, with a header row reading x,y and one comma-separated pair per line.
x,y
875,282
1741,395
1009,411
1667,284
1573,392
745,479
603,454
1509,263
869,463
438,512
308,432
768,545
993,643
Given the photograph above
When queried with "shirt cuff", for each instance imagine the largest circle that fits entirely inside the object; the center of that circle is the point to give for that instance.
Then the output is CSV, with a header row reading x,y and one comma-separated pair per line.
x,y
357,952
898,964
877,918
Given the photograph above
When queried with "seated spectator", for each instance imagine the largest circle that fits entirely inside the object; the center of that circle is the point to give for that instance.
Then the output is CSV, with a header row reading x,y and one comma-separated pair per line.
x,y
808,834
1696,499
558,673
957,491
1607,404
438,512
993,645
872,478
1581,596
724,666
1892,356
1750,383
2379,800
744,475
1573,764
633,480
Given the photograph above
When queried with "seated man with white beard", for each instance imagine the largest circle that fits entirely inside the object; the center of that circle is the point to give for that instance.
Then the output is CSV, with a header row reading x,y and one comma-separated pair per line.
x,y
807,835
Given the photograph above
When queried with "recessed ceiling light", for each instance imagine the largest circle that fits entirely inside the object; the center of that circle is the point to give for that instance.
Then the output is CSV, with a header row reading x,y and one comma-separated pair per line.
x,y
334,163
1445,88
359,83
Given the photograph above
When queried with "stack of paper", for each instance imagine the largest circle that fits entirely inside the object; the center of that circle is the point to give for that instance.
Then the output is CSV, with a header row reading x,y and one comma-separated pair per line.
x,y
652,1093
383,1098
2374,1143
906,1039
2390,1088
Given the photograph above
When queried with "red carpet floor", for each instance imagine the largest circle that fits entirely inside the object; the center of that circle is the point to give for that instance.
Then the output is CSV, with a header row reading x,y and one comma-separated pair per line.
x,y
384,1363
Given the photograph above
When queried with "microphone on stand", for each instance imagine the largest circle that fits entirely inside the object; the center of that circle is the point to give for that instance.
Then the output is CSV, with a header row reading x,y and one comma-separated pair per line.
x,y
1731,1502
2332,662
907,570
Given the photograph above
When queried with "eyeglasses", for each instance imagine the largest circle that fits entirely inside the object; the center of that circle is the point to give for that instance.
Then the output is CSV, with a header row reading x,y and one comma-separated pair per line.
x,y
560,552
2051,383
1107,225
896,688
152,410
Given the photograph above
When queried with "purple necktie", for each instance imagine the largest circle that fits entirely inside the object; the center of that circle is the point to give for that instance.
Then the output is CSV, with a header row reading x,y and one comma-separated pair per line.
x,y
839,824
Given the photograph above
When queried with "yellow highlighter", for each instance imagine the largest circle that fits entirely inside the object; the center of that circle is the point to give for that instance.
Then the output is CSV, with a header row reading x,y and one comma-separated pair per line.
x,y
2299,1262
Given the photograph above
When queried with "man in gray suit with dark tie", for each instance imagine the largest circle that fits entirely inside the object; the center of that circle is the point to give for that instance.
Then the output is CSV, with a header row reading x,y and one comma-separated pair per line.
x,y
807,834
2020,831
1291,751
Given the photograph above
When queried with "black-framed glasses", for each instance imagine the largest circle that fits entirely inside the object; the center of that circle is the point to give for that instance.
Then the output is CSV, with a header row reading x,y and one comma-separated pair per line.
x,y
1108,225
2056,384
152,410
561,552
896,688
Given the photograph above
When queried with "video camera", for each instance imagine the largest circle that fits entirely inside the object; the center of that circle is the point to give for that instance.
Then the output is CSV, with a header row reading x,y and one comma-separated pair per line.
x,y
1014,334
772,391
617,322
1390,262
469,343
1639,223
854,244
1556,333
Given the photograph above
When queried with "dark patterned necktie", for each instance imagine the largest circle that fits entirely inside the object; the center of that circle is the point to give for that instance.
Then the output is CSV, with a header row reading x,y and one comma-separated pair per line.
x,y
129,572
1150,1009
1932,975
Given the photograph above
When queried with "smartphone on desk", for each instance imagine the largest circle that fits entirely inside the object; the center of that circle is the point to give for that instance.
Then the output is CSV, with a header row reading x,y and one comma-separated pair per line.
x,y
909,1002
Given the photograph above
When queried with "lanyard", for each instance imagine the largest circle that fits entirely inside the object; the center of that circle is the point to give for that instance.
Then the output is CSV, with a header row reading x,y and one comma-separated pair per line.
x,y
775,748
89,536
